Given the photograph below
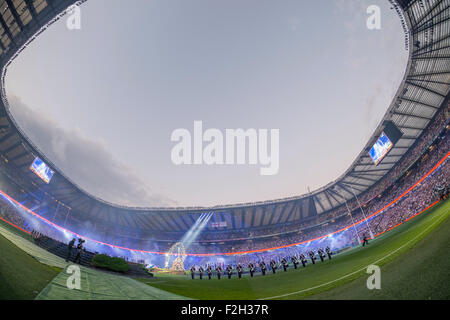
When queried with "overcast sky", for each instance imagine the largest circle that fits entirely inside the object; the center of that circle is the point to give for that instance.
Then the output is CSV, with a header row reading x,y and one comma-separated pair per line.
x,y
102,102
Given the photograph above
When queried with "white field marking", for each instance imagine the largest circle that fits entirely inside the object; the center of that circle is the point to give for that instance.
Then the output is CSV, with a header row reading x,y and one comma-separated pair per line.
x,y
352,273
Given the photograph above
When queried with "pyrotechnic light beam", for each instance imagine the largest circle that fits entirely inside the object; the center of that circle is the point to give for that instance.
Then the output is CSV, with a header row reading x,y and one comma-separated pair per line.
x,y
196,229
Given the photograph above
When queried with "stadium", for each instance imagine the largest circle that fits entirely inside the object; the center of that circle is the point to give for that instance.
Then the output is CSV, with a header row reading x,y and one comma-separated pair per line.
x,y
394,195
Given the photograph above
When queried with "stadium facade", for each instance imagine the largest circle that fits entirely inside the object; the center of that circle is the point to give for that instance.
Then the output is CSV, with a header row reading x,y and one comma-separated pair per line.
x,y
421,97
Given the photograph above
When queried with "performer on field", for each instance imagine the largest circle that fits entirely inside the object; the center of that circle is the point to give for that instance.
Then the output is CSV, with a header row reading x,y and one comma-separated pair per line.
x,y
329,253
229,271
294,261
200,270
219,271
365,240
312,256
239,270
273,265
251,267
209,271
263,267
321,254
303,260
192,272
285,264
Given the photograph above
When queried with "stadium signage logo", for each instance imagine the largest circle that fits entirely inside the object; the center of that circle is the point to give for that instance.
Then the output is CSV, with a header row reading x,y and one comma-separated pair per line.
x,y
227,149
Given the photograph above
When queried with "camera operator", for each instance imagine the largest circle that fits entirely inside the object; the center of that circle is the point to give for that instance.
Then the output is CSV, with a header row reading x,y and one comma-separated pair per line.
x,y
70,246
80,249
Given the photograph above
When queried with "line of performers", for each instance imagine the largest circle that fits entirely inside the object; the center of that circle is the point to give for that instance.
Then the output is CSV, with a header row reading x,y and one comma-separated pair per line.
x,y
262,265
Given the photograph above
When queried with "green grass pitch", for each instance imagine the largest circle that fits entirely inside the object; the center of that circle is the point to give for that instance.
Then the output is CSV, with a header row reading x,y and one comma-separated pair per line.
x,y
21,276
414,259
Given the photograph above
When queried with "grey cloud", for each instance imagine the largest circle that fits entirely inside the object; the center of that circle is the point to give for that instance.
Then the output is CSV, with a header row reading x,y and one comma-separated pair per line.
x,y
87,162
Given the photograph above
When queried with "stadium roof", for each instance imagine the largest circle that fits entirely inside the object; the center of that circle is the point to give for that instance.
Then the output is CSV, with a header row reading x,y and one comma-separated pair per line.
x,y
423,91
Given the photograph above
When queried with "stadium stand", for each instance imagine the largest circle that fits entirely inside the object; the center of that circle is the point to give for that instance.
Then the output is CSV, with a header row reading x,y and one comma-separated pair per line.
x,y
431,189
413,175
